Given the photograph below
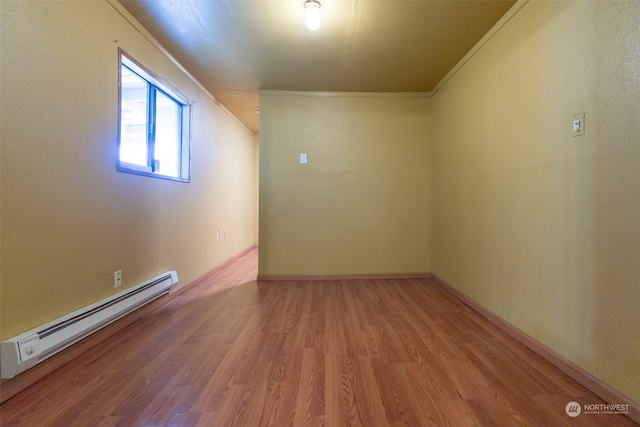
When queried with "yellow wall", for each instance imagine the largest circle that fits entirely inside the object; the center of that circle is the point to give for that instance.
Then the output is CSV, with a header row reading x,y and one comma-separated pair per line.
x,y
69,220
256,187
362,203
537,225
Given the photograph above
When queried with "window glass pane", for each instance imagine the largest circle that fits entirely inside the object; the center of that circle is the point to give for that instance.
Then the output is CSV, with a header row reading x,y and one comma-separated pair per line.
x,y
133,116
168,135
154,128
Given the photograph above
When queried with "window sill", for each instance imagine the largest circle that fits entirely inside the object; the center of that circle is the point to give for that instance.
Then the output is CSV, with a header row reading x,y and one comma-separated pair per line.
x,y
146,171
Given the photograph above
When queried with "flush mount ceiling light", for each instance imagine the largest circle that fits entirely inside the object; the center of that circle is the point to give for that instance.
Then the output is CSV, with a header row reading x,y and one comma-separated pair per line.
x,y
312,8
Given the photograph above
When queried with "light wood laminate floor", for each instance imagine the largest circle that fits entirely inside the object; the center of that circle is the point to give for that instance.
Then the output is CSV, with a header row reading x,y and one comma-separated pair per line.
x,y
354,352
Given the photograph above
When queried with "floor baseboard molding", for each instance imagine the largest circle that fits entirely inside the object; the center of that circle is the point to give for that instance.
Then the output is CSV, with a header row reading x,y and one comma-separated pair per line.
x,y
12,387
348,276
211,273
588,380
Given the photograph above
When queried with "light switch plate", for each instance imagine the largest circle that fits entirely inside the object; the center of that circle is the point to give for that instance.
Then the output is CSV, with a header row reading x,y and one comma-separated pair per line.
x,y
303,158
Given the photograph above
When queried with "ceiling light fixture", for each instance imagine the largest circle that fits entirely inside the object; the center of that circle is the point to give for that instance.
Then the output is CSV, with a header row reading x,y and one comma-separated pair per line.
x,y
312,8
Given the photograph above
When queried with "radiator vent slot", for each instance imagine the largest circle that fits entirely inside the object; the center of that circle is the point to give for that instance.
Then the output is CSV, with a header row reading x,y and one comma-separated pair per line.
x,y
26,350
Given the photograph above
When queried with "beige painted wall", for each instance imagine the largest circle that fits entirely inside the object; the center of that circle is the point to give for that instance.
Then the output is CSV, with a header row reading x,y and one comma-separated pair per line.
x,y
69,220
256,188
541,227
362,203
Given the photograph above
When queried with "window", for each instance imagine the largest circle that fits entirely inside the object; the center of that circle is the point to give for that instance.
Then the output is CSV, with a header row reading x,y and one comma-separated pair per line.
x,y
153,137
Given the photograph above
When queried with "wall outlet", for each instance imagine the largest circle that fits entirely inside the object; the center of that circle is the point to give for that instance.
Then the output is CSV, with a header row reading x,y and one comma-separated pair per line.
x,y
117,279
579,124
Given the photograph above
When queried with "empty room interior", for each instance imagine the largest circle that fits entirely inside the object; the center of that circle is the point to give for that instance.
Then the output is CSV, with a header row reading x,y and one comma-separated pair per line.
x,y
419,213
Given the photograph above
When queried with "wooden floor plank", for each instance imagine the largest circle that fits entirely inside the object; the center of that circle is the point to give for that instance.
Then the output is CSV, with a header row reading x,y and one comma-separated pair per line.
x,y
236,352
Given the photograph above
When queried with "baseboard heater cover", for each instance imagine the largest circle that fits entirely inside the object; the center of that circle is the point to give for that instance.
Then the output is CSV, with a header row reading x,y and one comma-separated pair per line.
x,y
24,351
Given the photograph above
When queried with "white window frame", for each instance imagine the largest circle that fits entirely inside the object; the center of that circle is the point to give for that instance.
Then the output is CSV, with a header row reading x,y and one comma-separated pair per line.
x,y
155,84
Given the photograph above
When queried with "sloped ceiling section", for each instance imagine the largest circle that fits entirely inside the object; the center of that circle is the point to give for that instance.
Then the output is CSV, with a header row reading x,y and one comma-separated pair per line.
x,y
236,47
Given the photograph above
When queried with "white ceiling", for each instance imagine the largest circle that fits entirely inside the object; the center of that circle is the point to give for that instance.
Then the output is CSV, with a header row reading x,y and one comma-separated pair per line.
x,y
236,47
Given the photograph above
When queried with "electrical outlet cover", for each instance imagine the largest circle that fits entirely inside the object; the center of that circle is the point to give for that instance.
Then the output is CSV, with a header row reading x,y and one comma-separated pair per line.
x,y
579,124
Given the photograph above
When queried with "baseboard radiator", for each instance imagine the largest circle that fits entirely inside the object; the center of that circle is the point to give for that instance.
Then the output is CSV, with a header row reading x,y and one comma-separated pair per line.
x,y
26,350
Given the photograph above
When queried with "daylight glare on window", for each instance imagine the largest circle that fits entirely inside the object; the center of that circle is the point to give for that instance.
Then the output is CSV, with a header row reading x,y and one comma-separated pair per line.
x,y
154,137
133,121
167,152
